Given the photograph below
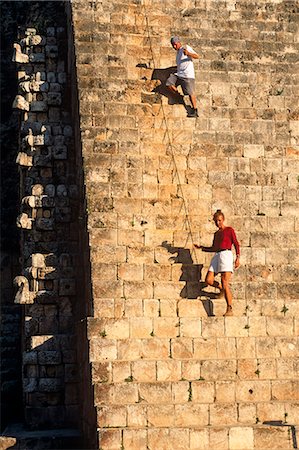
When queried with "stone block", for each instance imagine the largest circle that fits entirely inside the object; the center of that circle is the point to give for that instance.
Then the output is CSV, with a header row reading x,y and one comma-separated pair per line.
x,y
247,413
141,327
151,307
110,439
155,348
168,307
181,348
212,327
264,437
203,391
144,371
191,415
226,348
134,439
101,372
247,369
133,307
223,414
111,416
219,370
191,370
199,439
280,326
225,392
121,370
241,438
129,349
169,370
190,308
102,349
218,438
181,392
253,391
271,411
158,393
205,348
166,327
190,327
266,347
137,416
138,289
236,326
285,390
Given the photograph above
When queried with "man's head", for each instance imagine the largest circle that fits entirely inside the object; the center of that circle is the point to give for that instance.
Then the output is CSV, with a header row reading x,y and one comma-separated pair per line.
x,y
175,42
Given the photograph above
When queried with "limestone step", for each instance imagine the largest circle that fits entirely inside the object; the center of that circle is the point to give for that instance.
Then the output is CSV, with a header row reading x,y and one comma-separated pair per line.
x,y
16,437
274,436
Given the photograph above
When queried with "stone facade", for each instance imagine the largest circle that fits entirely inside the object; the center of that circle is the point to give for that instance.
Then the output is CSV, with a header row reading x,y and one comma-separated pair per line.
x,y
169,372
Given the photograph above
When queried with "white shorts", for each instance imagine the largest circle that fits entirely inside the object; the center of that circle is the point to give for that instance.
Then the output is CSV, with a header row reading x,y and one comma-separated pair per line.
x,y
222,262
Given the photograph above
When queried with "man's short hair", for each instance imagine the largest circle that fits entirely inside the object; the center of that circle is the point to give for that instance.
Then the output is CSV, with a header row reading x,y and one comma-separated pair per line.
x,y
175,39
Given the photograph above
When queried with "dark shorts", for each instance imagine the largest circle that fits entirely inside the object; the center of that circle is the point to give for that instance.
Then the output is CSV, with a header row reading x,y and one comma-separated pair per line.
x,y
187,84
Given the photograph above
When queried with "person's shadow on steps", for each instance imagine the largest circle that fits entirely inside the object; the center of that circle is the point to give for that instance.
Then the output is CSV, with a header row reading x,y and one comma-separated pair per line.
x,y
191,274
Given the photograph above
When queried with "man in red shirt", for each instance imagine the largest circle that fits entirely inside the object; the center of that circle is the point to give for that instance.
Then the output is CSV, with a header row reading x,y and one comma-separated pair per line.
x,y
222,262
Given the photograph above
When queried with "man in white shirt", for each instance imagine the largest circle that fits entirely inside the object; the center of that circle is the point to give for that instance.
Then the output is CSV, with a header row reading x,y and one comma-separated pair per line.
x,y
185,75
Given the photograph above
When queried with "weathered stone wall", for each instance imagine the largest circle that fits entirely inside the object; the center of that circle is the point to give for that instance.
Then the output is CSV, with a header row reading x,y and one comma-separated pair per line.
x,y
165,375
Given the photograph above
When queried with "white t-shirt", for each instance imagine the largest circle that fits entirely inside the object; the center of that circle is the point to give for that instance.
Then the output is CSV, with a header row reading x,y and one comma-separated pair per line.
x,y
185,66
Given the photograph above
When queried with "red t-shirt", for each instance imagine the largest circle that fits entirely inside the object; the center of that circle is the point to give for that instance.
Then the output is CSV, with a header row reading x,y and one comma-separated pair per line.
x,y
224,239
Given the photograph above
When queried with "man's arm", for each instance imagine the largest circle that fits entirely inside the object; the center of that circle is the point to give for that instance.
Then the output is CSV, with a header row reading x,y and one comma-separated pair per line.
x,y
192,55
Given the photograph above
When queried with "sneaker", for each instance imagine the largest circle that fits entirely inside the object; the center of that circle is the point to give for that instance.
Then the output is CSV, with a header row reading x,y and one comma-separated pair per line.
x,y
193,113
229,312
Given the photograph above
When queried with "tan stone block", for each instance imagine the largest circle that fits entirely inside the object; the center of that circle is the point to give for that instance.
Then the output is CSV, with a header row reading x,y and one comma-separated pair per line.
x,y
241,438
104,307
267,369
108,254
226,348
180,392
102,394
138,289
266,347
199,439
247,413
157,272
158,439
225,392
179,438
181,348
223,414
137,416
153,238
104,289
219,370
101,372
218,438
280,326
111,416
130,272
205,348
168,307
212,327
287,347
160,416
141,327
169,289
119,307
102,349
7,442
203,391
191,370
253,391
133,307
265,437
110,439
257,326
138,255
166,327
191,415
105,271
151,307
124,393
190,327
292,412
190,308
285,390
155,348
155,392
144,370
120,371
134,440
115,328
169,370
236,326
270,411
129,349
247,369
